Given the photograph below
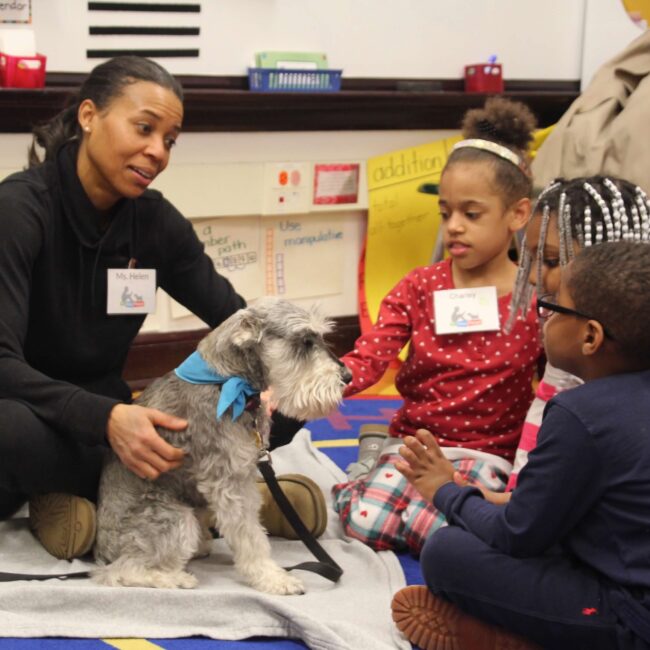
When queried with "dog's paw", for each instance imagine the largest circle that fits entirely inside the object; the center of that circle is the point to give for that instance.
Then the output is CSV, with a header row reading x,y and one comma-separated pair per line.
x,y
186,580
278,582
171,580
113,576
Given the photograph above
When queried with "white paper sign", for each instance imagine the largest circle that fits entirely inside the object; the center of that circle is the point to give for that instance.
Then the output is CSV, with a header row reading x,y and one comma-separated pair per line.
x,y
131,291
287,188
304,256
16,11
459,311
235,248
18,42
336,183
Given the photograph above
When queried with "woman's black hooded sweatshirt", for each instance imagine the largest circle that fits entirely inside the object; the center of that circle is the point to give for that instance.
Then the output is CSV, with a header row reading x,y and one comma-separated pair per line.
x,y
60,353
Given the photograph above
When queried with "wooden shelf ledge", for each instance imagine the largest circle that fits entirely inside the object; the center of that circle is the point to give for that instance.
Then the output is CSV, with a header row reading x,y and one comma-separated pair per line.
x,y
224,104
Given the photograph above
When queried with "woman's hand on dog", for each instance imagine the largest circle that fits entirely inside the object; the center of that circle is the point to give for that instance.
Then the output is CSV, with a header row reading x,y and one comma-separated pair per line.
x,y
132,435
266,398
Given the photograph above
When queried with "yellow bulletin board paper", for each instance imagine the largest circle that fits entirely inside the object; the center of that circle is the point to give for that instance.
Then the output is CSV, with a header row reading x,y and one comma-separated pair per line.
x,y
402,222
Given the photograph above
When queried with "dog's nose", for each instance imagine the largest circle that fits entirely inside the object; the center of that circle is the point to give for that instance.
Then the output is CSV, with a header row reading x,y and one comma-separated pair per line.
x,y
346,375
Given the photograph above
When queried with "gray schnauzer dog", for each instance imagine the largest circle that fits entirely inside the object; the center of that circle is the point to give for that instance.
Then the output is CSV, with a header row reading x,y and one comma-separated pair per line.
x,y
147,531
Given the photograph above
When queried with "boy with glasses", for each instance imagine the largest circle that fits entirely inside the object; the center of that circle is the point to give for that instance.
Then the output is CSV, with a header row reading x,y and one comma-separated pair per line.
x,y
546,307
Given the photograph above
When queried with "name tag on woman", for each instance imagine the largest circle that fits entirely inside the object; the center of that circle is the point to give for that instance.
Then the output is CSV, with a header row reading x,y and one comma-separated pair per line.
x,y
458,311
131,291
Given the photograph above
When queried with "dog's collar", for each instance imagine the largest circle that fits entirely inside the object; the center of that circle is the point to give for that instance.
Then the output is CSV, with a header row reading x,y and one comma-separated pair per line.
x,y
235,391
253,402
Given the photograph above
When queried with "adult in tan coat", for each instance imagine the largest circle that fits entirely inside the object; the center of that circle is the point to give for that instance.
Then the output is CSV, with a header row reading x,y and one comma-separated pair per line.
x,y
607,128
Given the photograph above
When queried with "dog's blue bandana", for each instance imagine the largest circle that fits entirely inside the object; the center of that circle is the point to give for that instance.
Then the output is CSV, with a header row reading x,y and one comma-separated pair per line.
x,y
235,391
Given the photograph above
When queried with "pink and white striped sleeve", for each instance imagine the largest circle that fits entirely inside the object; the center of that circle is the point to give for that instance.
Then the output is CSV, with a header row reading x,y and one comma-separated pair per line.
x,y
553,382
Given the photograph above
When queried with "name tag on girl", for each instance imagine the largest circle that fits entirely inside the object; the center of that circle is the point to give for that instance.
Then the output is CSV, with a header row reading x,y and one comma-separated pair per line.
x,y
458,311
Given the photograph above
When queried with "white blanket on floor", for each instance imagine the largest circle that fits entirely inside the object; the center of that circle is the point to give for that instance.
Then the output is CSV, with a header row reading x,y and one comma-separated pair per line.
x,y
353,614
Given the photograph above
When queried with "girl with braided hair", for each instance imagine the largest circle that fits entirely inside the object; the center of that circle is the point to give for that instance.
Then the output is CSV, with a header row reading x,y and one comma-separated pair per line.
x,y
568,216
471,388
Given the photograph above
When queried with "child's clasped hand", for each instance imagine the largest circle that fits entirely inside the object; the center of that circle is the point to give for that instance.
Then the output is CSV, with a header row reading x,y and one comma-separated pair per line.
x,y
424,464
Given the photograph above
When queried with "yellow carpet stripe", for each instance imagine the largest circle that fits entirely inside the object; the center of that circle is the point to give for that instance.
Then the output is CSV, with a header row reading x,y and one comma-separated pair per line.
x,y
132,644
347,442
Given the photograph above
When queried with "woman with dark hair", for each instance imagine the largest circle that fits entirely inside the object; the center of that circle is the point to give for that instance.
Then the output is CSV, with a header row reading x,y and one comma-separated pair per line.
x,y
75,229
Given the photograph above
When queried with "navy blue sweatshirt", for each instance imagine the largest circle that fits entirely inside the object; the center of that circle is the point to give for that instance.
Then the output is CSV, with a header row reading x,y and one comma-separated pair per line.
x,y
60,353
586,487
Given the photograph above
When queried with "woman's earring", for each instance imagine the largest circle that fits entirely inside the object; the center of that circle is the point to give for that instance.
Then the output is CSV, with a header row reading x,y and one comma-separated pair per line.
x,y
87,129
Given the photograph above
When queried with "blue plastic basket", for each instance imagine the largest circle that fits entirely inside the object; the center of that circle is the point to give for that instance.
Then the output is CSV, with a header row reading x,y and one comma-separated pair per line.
x,y
272,80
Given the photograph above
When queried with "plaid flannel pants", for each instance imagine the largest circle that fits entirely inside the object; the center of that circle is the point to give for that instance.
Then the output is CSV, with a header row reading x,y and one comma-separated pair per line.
x,y
384,511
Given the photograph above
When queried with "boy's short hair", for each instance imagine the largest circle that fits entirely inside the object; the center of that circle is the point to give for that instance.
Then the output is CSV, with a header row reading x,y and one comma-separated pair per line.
x,y
610,283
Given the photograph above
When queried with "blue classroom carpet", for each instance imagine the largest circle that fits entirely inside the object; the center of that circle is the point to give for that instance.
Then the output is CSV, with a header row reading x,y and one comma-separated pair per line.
x,y
336,436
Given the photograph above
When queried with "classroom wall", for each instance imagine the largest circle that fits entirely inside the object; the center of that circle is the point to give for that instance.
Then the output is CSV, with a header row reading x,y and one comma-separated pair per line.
x,y
366,38
235,164
608,30
557,39
229,186
222,175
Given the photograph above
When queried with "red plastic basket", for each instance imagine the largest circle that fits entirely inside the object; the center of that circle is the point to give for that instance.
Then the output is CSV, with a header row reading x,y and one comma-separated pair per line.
x,y
484,78
22,71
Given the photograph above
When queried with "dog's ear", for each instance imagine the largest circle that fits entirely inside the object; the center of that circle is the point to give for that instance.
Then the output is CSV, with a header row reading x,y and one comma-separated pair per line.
x,y
247,330
228,347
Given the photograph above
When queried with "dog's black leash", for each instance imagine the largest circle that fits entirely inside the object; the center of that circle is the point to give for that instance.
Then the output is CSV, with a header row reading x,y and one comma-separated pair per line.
x,y
326,566
10,577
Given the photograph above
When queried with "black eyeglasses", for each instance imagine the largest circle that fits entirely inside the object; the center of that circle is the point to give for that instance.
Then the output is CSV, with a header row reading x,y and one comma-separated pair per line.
x,y
545,309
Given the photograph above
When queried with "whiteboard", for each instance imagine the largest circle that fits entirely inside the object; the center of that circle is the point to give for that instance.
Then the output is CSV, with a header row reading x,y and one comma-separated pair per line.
x,y
366,38
608,31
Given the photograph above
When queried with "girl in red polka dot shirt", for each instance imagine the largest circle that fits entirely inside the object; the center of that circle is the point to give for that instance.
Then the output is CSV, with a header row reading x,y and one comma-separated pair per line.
x,y
471,389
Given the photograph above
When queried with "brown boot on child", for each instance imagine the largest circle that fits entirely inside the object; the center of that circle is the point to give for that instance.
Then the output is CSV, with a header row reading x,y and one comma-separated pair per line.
x,y
432,623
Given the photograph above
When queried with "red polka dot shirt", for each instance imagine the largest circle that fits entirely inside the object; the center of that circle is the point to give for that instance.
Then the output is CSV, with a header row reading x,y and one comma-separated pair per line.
x,y
471,390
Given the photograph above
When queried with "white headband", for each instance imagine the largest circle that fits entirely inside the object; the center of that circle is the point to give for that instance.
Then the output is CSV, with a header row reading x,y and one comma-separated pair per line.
x,y
497,149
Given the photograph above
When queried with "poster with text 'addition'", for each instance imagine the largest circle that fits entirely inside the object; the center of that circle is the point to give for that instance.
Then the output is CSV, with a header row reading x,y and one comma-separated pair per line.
x,y
402,222
289,257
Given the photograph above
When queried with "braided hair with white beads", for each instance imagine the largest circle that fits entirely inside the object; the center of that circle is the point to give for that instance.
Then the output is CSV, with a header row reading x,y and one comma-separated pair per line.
x,y
589,211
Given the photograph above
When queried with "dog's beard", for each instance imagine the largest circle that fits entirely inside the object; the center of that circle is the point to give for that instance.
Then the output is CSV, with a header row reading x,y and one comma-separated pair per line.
x,y
309,388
